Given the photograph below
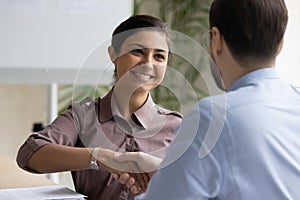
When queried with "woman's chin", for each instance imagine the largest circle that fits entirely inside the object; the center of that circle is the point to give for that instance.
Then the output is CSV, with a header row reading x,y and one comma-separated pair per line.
x,y
146,88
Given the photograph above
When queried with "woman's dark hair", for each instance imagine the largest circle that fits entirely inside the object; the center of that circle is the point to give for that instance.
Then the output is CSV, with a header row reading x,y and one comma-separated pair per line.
x,y
134,24
252,29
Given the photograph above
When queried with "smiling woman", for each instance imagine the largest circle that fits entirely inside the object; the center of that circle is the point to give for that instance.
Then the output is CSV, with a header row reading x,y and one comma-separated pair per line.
x,y
140,67
126,119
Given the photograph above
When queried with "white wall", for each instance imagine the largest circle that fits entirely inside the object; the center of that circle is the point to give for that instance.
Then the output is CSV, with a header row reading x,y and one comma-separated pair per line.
x,y
288,61
45,36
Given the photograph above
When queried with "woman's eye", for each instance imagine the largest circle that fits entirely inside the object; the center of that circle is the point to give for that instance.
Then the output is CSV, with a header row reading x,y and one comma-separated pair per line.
x,y
160,56
137,51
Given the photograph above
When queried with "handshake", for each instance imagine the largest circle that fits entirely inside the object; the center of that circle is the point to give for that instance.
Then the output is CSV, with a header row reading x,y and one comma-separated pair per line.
x,y
134,169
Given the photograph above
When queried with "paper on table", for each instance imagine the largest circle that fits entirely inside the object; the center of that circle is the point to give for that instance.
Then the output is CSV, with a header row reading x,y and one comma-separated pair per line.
x,y
55,192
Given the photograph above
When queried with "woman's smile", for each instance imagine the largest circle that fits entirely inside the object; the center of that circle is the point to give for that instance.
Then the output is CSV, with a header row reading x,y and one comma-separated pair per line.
x,y
142,76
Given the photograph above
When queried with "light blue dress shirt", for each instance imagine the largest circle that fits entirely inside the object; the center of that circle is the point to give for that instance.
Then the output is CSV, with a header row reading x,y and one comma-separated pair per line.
x,y
244,144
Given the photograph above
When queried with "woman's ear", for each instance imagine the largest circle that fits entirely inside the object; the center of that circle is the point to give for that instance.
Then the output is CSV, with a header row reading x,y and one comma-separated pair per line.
x,y
112,54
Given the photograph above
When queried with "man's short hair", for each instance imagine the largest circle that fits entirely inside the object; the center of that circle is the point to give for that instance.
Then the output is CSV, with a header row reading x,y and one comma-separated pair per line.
x,y
252,29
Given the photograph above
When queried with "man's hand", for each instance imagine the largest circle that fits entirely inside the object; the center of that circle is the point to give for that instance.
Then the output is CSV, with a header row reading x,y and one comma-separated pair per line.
x,y
148,165
134,186
146,162
128,171
108,160
131,168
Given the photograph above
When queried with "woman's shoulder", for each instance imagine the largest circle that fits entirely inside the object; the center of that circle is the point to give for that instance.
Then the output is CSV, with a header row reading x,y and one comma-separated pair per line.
x,y
86,103
164,111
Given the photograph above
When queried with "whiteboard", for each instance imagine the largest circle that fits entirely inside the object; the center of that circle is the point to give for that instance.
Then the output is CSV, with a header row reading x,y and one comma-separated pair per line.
x,y
46,41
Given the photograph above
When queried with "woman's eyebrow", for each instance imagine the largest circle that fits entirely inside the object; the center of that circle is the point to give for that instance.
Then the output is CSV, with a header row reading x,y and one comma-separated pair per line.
x,y
161,50
147,47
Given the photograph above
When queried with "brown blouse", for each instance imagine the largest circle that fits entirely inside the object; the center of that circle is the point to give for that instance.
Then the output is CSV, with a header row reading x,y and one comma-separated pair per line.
x,y
95,123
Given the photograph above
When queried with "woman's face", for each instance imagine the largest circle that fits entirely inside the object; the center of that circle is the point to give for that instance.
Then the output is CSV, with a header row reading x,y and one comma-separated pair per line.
x,y
143,60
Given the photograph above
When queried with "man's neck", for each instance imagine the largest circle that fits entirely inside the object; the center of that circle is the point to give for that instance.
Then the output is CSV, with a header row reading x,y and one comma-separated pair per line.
x,y
239,71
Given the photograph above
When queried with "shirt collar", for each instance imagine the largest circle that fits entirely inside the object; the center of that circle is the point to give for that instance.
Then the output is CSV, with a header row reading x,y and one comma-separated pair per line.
x,y
105,111
144,115
254,77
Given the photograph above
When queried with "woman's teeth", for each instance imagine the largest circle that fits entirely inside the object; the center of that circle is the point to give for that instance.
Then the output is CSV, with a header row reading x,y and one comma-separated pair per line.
x,y
141,75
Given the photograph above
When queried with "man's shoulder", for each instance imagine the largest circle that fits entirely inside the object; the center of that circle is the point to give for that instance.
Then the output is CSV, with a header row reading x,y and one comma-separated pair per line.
x,y
213,101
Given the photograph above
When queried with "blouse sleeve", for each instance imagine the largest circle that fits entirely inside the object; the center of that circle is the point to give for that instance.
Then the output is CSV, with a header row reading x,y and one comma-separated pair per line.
x,y
63,130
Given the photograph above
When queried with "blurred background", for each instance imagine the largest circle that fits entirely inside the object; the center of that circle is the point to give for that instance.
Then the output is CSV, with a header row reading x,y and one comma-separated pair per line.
x,y
44,46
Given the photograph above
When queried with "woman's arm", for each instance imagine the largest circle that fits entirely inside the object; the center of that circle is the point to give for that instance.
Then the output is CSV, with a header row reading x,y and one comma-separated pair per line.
x,y
56,158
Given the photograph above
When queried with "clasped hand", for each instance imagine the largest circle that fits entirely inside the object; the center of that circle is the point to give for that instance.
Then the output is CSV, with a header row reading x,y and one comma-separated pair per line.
x,y
131,168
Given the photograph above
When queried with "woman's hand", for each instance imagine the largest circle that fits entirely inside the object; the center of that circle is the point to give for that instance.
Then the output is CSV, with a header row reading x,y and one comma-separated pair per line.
x,y
131,168
148,165
108,160
129,171
146,162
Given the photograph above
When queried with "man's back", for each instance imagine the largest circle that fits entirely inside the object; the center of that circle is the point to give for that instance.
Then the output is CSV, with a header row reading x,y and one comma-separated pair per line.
x,y
262,122
255,157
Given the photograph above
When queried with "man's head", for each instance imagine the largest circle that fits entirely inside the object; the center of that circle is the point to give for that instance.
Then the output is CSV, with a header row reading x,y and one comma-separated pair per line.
x,y
247,34
252,29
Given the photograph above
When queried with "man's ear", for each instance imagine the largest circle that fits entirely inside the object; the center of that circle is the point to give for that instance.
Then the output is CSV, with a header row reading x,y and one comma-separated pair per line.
x,y
112,54
280,46
216,41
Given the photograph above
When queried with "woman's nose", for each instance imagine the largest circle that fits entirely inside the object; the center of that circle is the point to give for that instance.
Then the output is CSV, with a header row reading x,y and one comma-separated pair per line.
x,y
148,60
148,57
